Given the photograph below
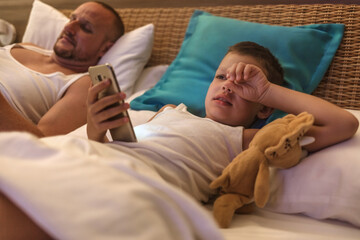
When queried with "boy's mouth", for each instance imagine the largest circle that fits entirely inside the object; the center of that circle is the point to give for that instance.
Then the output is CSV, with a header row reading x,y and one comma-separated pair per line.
x,y
222,100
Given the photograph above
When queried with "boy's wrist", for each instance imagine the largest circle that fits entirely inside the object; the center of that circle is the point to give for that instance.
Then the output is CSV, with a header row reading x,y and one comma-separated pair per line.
x,y
266,93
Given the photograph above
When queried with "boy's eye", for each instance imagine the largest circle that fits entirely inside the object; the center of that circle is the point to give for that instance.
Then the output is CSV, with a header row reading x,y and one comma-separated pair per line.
x,y
221,77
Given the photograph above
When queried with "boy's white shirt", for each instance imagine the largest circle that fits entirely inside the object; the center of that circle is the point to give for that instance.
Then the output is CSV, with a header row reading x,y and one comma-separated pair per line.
x,y
186,150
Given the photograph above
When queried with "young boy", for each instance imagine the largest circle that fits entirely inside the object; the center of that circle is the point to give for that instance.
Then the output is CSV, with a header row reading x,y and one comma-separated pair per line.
x,y
189,151
246,87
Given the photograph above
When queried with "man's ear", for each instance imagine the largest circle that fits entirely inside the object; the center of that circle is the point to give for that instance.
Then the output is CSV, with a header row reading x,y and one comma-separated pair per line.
x,y
265,112
106,47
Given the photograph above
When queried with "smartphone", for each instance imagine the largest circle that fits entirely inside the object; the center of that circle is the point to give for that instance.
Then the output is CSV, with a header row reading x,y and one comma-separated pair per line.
x,y
102,72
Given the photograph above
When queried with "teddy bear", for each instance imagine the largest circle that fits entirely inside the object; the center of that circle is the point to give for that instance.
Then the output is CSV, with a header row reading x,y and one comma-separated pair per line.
x,y
247,178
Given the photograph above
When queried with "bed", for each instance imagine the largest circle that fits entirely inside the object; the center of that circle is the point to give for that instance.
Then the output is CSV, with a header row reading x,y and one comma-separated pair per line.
x,y
317,199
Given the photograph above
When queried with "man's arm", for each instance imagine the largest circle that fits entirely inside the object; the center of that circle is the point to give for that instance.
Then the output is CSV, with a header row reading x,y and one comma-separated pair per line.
x,y
15,224
11,120
69,112
65,116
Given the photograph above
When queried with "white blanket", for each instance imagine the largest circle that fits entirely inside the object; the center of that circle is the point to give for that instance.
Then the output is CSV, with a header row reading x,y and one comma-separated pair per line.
x,y
64,185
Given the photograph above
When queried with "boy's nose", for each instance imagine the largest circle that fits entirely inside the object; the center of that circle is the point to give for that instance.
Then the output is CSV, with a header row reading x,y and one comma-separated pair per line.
x,y
226,89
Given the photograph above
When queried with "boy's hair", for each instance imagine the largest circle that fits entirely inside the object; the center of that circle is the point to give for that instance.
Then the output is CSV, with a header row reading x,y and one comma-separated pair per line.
x,y
273,70
118,23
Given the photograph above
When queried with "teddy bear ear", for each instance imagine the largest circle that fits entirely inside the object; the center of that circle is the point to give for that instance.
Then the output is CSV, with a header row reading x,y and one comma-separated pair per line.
x,y
306,140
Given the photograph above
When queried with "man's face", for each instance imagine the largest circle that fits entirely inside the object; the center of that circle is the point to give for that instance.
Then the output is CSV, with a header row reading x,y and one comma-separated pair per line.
x,y
85,38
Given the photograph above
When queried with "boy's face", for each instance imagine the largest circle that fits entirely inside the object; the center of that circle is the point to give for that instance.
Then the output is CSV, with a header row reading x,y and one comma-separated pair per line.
x,y
222,104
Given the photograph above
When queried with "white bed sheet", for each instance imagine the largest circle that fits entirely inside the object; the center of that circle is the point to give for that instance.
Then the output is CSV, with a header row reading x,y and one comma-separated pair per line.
x,y
266,225
60,161
52,207
79,189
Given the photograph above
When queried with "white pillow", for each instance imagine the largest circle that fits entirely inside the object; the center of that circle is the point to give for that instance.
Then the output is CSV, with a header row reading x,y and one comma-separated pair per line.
x,y
325,185
44,25
149,77
128,55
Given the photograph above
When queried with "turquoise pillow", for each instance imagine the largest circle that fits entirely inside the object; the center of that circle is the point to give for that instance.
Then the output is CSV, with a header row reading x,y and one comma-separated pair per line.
x,y
305,53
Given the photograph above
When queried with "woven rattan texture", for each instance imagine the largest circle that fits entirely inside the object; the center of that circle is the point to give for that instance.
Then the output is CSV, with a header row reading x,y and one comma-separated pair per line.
x,y
341,84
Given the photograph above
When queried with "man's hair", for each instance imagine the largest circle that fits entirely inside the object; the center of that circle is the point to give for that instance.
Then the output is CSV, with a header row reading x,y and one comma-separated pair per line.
x,y
273,70
118,23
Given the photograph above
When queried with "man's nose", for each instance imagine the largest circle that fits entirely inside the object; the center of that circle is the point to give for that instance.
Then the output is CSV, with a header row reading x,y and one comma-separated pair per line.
x,y
71,26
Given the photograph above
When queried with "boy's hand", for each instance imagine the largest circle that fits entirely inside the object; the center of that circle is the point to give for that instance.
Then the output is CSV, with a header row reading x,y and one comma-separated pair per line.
x,y
99,111
249,81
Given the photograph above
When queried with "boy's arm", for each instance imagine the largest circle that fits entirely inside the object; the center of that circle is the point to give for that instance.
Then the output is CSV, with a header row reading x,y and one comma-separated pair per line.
x,y
332,123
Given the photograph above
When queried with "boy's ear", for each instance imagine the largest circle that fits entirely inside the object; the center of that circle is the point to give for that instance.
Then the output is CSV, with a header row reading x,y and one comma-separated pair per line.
x,y
265,112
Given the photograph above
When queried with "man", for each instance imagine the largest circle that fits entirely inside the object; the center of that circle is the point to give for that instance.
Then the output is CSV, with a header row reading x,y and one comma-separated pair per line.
x,y
93,28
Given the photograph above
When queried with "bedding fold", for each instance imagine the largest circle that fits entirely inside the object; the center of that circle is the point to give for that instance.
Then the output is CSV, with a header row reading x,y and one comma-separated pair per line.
x,y
79,189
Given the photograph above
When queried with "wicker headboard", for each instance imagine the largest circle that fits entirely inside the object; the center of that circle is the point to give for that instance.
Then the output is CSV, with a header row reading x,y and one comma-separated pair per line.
x,y
341,85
